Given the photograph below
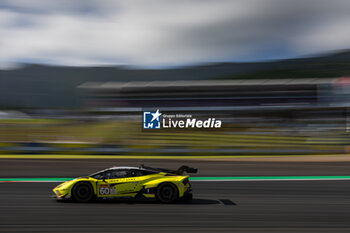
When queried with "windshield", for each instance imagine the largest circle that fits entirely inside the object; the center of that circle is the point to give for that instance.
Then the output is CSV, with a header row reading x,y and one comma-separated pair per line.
x,y
97,175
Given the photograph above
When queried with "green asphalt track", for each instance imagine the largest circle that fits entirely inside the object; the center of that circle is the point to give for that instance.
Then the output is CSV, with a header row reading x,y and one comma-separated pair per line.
x,y
246,178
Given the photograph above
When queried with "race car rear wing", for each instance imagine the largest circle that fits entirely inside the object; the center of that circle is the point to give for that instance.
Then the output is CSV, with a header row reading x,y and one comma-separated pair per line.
x,y
185,168
180,171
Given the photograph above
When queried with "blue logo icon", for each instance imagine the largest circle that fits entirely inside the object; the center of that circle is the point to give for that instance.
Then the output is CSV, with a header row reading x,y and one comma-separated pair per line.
x,y
151,120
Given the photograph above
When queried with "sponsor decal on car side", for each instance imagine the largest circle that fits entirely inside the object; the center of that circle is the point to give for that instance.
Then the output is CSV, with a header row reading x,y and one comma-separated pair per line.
x,y
107,190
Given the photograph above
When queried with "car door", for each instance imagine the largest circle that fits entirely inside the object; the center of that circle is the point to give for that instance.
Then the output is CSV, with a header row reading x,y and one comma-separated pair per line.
x,y
116,183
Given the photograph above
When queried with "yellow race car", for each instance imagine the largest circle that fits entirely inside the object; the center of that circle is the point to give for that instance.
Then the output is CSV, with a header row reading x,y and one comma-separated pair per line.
x,y
164,185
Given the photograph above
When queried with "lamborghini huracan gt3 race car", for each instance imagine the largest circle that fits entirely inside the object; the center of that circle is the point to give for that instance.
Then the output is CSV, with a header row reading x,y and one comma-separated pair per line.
x,y
139,182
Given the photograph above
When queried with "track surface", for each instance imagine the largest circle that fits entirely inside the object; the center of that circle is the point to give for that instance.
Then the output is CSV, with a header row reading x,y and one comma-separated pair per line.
x,y
74,168
274,206
319,206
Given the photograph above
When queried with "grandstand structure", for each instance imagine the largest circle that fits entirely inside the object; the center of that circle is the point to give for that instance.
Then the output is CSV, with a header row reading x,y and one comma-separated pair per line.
x,y
217,94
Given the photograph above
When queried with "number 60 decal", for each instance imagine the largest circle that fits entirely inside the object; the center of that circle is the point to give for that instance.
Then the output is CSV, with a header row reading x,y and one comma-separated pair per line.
x,y
106,190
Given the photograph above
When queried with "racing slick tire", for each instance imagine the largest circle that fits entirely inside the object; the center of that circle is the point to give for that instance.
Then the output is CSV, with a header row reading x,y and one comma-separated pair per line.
x,y
167,193
82,192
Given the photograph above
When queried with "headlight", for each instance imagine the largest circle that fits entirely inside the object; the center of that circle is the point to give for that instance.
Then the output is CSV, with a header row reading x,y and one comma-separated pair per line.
x,y
60,185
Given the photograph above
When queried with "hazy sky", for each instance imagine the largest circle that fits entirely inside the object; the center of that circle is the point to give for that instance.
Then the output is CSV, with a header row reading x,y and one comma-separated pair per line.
x,y
161,33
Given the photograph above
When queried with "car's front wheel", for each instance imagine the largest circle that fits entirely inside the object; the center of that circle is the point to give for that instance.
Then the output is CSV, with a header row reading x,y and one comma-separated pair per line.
x,y
167,193
82,192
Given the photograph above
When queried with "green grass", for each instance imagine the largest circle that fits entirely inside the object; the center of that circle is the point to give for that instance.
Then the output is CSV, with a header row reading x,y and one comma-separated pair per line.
x,y
130,134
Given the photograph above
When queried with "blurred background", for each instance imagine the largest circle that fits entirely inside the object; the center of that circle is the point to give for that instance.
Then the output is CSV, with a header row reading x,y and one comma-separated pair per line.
x,y
75,76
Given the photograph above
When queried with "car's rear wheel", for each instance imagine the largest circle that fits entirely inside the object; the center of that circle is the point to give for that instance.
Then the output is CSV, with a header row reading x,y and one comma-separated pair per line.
x,y
82,192
167,193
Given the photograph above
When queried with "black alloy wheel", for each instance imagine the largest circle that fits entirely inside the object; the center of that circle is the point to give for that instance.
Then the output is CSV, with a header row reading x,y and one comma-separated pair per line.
x,y
82,192
167,193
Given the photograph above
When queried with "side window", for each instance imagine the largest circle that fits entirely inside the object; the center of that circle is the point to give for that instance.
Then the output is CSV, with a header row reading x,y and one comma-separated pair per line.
x,y
117,174
135,173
